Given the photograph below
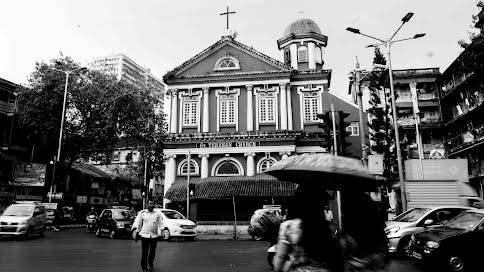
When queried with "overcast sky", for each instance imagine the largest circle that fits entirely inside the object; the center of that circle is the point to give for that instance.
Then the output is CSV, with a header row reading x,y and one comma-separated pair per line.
x,y
160,35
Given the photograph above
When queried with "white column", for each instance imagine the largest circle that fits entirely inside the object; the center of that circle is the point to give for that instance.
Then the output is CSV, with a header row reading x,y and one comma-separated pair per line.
x,y
170,113
250,164
293,48
289,108
204,170
311,57
170,176
206,112
283,106
174,111
250,108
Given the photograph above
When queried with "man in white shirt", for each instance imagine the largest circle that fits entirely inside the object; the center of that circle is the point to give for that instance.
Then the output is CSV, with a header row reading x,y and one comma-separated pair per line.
x,y
149,223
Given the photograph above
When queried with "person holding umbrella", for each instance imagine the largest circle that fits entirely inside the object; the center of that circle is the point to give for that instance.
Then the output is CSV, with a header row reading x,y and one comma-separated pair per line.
x,y
305,239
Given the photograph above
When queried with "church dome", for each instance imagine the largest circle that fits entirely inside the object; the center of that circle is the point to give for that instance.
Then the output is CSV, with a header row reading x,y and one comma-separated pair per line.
x,y
302,26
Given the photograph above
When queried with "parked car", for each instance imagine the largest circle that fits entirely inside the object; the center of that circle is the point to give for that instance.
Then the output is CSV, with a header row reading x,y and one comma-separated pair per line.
x,y
115,222
400,229
23,219
174,224
455,246
258,225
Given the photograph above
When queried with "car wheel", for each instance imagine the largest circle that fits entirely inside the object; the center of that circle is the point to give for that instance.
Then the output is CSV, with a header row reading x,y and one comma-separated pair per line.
x,y
112,234
42,233
166,234
455,263
98,233
256,237
404,247
270,258
28,234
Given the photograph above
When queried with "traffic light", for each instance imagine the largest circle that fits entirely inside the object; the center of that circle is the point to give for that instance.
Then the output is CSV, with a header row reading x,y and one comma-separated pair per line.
x,y
343,133
326,126
191,189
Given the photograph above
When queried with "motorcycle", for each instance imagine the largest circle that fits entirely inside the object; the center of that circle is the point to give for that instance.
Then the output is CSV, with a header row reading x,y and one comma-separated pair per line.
x,y
91,222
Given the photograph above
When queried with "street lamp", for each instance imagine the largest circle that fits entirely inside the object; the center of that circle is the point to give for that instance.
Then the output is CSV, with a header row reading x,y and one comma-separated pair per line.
x,y
388,43
56,159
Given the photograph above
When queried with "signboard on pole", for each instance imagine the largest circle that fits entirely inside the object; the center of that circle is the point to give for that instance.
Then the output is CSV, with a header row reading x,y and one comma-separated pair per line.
x,y
29,174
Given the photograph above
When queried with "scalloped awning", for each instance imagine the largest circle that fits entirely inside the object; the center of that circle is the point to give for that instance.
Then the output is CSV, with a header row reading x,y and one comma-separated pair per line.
x,y
261,185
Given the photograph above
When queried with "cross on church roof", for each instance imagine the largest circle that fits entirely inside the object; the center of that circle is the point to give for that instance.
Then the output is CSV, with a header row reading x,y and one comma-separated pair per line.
x,y
227,14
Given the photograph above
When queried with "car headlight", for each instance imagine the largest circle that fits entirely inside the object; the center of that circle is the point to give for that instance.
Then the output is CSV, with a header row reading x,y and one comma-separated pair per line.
x,y
120,225
392,230
23,222
432,244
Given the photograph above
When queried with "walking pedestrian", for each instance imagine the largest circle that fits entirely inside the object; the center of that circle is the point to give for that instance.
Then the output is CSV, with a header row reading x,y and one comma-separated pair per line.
x,y
148,226
305,240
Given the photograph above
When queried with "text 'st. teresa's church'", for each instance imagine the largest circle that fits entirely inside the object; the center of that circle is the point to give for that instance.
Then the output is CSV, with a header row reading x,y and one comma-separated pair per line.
x,y
236,112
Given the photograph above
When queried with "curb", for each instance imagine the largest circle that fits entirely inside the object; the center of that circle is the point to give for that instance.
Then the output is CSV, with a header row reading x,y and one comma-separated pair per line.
x,y
66,226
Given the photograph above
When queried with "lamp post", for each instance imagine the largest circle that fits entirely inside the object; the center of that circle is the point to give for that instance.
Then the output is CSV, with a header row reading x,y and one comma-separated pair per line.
x,y
56,159
388,43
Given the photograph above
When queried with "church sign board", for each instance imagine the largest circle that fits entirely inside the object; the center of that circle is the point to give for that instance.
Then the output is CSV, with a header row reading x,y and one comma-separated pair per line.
x,y
227,144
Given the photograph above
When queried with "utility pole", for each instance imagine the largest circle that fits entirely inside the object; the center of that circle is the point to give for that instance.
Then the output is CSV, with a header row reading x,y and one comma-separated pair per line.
x,y
188,183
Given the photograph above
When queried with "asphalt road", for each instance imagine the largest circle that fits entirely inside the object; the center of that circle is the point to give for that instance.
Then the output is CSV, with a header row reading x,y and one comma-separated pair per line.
x,y
77,250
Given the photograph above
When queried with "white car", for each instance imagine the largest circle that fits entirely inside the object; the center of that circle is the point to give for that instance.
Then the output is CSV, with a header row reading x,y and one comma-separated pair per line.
x,y
174,225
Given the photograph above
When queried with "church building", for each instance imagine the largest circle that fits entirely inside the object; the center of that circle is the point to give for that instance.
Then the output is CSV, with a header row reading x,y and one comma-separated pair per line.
x,y
234,111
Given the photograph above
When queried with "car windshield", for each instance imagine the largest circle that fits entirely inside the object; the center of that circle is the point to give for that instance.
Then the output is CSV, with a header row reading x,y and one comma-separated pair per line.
x,y
173,215
19,211
411,215
465,221
122,215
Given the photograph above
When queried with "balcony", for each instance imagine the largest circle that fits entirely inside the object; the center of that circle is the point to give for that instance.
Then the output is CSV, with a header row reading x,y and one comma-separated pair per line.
x,y
424,122
453,84
7,108
466,139
427,96
462,108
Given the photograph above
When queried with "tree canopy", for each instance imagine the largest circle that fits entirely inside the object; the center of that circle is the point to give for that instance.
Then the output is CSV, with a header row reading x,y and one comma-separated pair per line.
x,y
102,113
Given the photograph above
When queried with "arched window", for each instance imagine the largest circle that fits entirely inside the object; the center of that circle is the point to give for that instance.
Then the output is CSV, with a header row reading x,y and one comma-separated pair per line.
x,y
183,168
227,167
265,163
318,55
302,54
227,63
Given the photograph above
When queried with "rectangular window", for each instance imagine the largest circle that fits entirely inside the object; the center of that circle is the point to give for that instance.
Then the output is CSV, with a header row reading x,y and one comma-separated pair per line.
x,y
310,109
267,108
353,129
227,109
190,111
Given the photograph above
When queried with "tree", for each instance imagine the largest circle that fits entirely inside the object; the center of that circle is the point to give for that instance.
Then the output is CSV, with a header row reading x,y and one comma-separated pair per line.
x,y
101,113
381,128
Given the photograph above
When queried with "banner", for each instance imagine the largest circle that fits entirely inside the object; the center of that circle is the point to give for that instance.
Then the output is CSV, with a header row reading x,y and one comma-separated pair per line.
x,y
29,174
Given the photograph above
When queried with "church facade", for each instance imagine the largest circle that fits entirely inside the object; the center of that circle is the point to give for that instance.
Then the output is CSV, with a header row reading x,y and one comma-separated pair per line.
x,y
233,112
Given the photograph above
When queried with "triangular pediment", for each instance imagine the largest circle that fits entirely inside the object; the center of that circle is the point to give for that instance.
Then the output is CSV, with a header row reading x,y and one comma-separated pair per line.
x,y
246,61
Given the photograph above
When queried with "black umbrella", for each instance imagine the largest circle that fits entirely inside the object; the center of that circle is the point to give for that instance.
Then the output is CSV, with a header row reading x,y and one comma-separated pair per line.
x,y
333,172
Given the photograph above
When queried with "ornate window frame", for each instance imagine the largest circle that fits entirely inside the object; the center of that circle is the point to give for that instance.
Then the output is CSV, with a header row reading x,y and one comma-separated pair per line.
x,y
262,93
264,159
313,93
184,163
218,163
192,97
228,94
227,59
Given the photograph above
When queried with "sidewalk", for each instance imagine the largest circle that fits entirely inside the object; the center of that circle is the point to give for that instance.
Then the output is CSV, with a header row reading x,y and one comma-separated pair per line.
x,y
200,236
